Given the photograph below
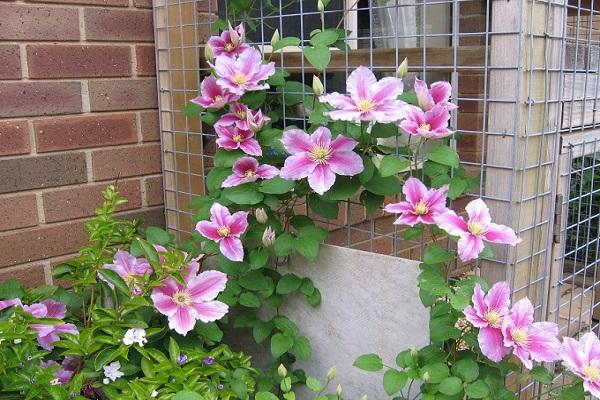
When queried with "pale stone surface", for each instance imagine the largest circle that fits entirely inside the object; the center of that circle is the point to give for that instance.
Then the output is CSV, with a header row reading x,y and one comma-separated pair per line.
x,y
370,305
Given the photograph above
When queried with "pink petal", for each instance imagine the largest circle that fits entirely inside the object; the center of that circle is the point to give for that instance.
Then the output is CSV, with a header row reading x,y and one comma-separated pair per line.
x,y
498,298
491,344
231,247
296,141
238,223
469,247
521,313
478,211
452,223
343,143
474,317
321,137
9,303
397,208
66,328
219,214
252,147
591,345
386,89
207,285
227,143
210,311
227,119
408,218
163,304
391,111
592,387
345,163
345,115
423,97
479,303
47,342
414,190
438,118
265,71
321,179
359,82
243,164
38,310
542,344
297,167
501,234
338,101
42,329
523,355
183,320
208,230
232,180
573,356
440,91
436,199
267,171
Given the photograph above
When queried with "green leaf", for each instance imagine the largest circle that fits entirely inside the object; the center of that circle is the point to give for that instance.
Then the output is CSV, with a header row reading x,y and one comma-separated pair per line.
x,y
286,326
325,209
457,187
280,344
312,232
284,244
343,188
302,348
174,351
314,384
215,178
325,38
276,185
434,254
105,356
285,42
477,390
262,330
156,235
226,158
467,370
294,92
265,396
574,392
372,202
444,155
243,194
113,278
369,362
209,330
278,78
383,186
437,372
413,232
192,109
258,258
541,374
209,117
288,283
368,171
384,130
249,299
254,280
308,247
391,165
187,395
308,287
394,381
11,289
319,56
254,99
451,386
410,98
268,137
315,298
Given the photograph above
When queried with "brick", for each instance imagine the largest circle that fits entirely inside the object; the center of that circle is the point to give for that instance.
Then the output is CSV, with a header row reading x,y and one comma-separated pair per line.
x,y
145,60
10,61
206,6
150,216
475,7
77,61
126,161
29,22
77,202
469,122
470,84
29,276
14,137
112,3
18,211
24,99
41,242
153,190
25,173
143,3
64,133
111,24
122,94
150,126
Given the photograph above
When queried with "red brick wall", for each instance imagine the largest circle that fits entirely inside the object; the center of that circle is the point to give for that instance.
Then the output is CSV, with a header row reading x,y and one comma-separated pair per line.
x,y
77,111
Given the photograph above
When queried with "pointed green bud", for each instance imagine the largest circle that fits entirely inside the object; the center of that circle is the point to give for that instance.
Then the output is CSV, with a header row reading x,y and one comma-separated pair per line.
x,y
402,70
282,371
317,85
331,373
275,38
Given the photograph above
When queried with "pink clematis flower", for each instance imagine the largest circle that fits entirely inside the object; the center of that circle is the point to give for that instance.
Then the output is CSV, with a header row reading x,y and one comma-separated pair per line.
x,y
368,100
244,73
128,267
244,118
230,43
432,124
439,94
231,138
184,304
529,340
487,313
212,95
319,158
65,371
225,229
48,334
421,204
476,230
9,303
247,169
583,359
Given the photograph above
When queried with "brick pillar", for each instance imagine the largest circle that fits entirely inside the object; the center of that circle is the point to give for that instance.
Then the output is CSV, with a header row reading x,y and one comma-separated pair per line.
x,y
77,111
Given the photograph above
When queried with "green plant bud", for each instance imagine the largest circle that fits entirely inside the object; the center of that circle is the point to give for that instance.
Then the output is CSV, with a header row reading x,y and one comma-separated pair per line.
x,y
282,371
402,69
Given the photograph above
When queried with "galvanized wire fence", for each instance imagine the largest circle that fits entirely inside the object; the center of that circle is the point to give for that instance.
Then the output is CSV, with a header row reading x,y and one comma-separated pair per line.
x,y
526,78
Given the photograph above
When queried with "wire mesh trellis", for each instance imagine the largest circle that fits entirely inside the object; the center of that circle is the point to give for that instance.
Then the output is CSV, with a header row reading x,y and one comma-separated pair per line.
x,y
526,78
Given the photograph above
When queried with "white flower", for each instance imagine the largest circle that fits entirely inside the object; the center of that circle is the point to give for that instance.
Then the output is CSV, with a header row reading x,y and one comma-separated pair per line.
x,y
135,335
17,341
154,393
106,381
112,372
55,382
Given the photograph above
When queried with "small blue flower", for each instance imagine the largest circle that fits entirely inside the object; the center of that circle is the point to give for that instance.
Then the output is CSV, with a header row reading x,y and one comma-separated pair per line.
x,y
208,360
220,387
182,358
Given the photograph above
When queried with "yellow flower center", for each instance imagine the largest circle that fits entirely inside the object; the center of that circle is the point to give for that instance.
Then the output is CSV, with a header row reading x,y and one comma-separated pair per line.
x,y
182,298
421,208
320,154
365,105
425,127
229,47
493,318
240,78
223,231
241,114
592,372
519,336
237,138
217,98
476,228
249,173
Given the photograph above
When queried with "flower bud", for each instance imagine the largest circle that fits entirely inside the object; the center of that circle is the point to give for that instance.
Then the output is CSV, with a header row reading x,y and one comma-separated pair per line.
x,y
377,160
275,37
425,377
282,371
414,353
365,397
261,215
268,238
320,6
402,69
317,85
208,53
338,390
331,374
